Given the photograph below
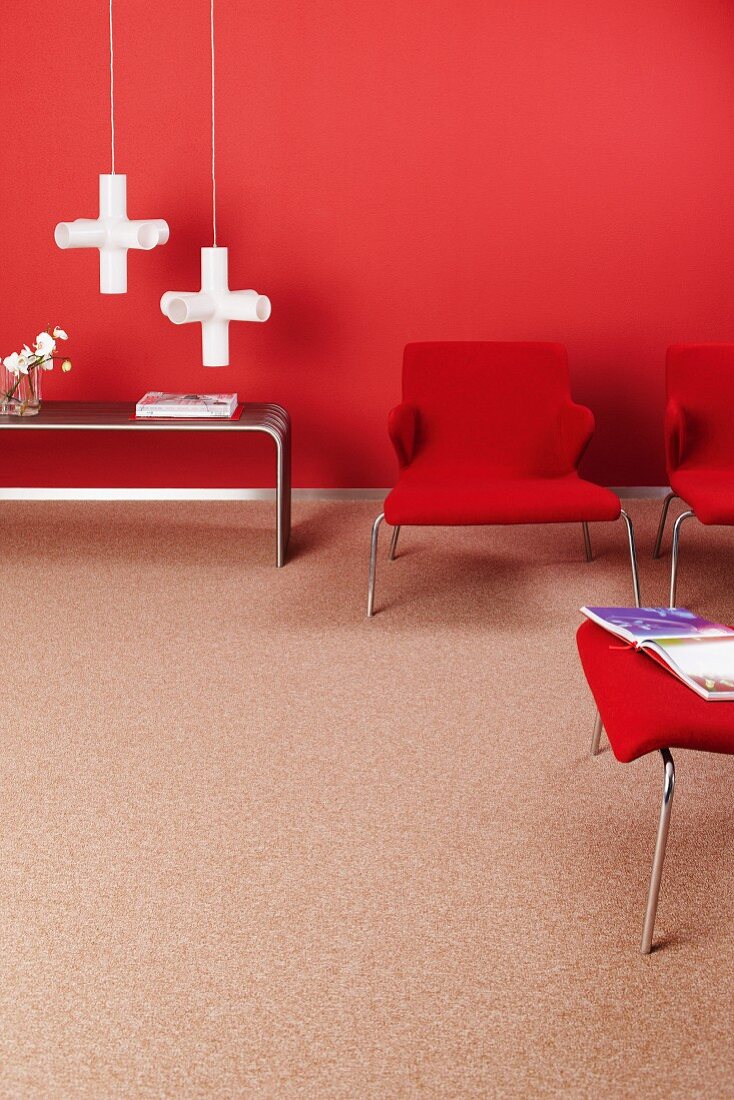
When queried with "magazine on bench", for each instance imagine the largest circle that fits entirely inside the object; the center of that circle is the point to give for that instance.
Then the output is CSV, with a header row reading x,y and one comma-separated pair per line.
x,y
182,406
698,652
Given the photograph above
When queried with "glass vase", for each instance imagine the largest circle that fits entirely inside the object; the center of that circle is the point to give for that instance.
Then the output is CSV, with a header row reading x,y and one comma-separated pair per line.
x,y
21,393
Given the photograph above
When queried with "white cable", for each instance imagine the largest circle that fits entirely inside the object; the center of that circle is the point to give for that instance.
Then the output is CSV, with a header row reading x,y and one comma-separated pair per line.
x,y
112,92
214,170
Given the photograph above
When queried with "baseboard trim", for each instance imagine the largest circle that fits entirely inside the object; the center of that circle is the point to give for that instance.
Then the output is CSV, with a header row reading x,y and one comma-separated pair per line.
x,y
626,492
37,493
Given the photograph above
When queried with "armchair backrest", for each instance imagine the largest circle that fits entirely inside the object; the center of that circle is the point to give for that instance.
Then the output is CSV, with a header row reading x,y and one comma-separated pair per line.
x,y
700,381
497,404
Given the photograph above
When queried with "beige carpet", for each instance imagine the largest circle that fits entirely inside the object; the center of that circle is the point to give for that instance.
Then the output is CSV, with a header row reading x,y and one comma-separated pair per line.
x,y
255,845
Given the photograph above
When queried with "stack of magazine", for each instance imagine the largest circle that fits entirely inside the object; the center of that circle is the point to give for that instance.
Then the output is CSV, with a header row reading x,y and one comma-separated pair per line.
x,y
698,652
179,406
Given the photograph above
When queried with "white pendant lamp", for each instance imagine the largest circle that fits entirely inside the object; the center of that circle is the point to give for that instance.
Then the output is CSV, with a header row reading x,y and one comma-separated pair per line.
x,y
215,305
111,232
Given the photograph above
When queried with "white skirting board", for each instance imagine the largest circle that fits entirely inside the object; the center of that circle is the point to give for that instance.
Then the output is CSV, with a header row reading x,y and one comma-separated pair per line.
x,y
628,492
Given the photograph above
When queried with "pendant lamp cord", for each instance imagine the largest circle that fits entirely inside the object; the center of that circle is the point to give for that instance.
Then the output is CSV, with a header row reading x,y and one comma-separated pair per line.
x,y
214,170
112,92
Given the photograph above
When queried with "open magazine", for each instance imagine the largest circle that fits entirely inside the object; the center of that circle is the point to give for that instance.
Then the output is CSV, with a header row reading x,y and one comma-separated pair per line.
x,y
698,652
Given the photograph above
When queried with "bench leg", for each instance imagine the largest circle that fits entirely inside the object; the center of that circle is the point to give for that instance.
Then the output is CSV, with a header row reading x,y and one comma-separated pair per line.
x,y
373,565
278,428
394,543
596,735
282,504
660,845
674,566
661,525
587,542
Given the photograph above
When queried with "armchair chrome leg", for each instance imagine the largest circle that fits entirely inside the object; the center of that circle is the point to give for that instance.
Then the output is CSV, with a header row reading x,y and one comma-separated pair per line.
x,y
674,566
394,543
373,565
596,735
661,525
633,556
587,542
659,857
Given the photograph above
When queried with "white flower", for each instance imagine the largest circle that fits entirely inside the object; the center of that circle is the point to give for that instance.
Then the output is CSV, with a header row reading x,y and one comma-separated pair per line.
x,y
20,362
28,359
12,363
60,334
45,344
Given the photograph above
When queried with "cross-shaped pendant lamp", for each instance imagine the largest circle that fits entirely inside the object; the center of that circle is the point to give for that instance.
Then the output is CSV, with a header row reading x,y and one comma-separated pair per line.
x,y
215,305
111,232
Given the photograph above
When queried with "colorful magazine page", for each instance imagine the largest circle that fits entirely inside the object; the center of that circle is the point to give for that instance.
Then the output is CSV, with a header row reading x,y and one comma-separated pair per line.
x,y
698,652
642,623
705,664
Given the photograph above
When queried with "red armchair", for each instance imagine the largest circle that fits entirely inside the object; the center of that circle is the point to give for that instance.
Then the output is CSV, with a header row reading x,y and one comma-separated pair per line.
x,y
699,439
487,433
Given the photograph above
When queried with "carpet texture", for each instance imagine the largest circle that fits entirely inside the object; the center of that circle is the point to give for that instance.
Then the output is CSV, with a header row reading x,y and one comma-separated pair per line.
x,y
254,845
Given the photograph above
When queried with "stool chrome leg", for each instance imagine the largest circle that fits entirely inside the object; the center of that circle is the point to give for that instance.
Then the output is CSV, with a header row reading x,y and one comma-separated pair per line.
x,y
587,542
394,543
674,566
660,845
373,565
596,735
661,525
633,556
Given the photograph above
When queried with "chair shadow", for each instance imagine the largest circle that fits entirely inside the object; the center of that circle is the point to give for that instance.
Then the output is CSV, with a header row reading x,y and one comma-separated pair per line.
x,y
499,571
670,940
699,850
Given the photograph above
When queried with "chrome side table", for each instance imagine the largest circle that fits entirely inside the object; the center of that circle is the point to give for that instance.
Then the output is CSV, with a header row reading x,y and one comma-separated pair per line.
x,y
272,420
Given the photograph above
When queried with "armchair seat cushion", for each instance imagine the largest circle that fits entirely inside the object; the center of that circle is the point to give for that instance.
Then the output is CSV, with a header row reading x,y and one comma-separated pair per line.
x,y
461,498
710,493
643,706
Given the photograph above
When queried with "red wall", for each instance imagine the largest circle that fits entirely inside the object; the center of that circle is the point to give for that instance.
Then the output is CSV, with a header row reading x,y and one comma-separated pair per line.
x,y
388,171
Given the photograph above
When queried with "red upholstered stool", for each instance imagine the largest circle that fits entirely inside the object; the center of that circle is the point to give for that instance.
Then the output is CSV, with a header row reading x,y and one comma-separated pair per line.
x,y
643,708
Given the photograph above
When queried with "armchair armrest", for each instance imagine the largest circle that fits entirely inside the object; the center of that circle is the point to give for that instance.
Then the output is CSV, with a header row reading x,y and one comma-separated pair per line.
x,y
402,426
675,434
577,428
